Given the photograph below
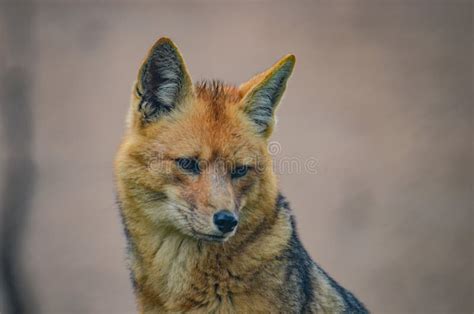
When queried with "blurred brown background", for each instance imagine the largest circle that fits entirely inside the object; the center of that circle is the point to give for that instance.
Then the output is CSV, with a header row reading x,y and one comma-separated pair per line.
x,y
381,96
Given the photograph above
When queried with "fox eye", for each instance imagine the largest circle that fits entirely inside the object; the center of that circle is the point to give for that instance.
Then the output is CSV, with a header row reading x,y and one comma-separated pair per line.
x,y
189,164
239,172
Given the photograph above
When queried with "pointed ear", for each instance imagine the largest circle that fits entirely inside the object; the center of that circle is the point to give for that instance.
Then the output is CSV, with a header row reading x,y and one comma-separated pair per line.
x,y
163,81
263,93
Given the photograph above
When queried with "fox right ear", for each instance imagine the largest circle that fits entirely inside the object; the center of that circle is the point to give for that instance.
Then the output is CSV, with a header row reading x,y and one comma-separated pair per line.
x,y
263,93
163,80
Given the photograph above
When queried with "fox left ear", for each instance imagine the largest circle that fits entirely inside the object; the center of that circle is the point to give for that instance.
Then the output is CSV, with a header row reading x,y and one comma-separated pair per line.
x,y
163,81
263,92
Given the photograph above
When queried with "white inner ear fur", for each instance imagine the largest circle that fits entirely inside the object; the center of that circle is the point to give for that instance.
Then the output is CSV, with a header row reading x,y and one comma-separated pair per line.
x,y
266,98
171,73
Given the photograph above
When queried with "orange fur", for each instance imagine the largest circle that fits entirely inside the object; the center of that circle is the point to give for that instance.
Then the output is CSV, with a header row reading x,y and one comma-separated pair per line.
x,y
168,212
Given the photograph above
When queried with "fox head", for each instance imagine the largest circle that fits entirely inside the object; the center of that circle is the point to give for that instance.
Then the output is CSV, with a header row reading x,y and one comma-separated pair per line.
x,y
194,159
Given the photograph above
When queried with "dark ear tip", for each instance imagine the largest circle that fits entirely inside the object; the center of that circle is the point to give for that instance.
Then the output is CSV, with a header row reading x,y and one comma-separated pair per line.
x,y
163,41
289,59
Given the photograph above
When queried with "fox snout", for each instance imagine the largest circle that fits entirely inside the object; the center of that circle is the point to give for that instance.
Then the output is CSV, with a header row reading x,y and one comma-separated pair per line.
x,y
225,221
214,200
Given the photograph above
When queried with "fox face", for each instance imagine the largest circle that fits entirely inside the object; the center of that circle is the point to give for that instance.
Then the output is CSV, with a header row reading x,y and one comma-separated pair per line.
x,y
194,159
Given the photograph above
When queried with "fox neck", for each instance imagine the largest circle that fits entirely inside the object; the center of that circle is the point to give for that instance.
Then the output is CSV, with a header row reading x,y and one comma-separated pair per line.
x,y
166,264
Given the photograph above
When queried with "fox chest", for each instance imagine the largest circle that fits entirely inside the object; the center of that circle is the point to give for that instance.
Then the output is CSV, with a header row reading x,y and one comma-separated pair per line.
x,y
210,294
180,282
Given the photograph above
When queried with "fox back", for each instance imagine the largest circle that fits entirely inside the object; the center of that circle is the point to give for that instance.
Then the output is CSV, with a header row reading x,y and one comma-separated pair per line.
x,y
207,229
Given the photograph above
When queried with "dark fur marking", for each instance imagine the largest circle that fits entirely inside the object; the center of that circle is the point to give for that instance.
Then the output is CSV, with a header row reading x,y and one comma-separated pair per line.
x,y
230,297
351,303
216,91
217,94
300,266
130,246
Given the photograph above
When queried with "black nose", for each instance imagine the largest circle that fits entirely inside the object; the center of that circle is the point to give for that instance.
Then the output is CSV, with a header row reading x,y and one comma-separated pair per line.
x,y
225,221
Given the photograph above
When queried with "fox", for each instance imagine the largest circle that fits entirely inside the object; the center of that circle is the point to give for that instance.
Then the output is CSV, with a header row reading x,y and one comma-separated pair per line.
x,y
207,228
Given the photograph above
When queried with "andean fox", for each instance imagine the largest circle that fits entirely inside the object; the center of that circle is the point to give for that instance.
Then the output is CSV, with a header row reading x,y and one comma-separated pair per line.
x,y
208,230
